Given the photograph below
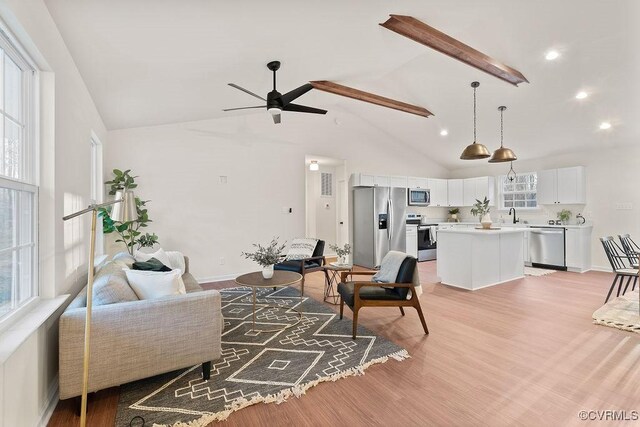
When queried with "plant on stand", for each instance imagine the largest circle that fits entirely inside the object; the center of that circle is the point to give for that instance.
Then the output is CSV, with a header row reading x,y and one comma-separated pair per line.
x,y
342,252
130,232
266,256
481,210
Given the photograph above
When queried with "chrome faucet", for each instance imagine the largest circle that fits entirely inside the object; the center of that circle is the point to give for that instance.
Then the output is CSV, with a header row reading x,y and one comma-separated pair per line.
x,y
515,220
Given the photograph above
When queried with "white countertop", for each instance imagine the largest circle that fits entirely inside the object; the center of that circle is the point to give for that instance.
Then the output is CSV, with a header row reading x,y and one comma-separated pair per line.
x,y
520,225
473,230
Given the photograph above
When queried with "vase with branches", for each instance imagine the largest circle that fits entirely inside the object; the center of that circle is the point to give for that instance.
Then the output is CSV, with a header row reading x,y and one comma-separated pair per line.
x,y
481,210
342,252
130,232
266,256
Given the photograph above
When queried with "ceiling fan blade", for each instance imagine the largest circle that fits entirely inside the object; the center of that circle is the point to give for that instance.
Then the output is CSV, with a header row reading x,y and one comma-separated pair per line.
x,y
276,118
244,108
290,96
246,91
303,109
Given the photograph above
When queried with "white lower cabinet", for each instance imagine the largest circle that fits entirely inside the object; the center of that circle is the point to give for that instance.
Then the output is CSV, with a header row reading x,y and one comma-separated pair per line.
x,y
412,240
578,249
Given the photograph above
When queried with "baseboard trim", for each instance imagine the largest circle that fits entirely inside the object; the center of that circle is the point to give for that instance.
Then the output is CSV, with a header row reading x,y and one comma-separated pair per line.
x,y
602,269
211,279
51,404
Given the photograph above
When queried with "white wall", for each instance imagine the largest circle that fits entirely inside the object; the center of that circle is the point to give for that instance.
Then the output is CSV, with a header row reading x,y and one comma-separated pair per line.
x,y
179,166
613,177
68,116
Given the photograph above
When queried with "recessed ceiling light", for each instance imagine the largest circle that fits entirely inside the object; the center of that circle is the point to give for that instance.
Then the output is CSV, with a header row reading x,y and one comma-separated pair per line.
x,y
314,165
581,95
551,55
444,132
605,125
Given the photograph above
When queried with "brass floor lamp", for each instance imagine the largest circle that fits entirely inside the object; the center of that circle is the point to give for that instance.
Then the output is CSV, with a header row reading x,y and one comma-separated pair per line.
x,y
124,210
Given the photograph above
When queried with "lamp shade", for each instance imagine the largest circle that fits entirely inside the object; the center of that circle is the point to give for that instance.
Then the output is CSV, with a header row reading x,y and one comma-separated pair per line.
x,y
125,210
475,151
502,154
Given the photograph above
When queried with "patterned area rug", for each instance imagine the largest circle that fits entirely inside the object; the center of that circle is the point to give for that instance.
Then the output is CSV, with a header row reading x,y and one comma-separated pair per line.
x,y
533,271
258,367
621,313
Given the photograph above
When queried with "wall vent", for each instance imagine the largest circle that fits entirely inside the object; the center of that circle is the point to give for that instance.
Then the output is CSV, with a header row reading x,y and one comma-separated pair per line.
x,y
326,187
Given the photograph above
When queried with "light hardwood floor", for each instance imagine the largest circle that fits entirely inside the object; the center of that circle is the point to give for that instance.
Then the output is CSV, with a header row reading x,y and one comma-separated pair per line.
x,y
521,353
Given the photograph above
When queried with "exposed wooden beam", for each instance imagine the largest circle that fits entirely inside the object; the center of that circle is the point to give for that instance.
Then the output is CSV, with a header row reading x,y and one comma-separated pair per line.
x,y
372,98
416,30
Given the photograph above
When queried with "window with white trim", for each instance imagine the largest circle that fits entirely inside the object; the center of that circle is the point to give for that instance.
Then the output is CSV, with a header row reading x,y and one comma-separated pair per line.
x,y
18,189
521,193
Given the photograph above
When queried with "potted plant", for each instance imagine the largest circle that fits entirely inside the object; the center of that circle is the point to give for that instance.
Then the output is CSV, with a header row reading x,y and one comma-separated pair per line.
x,y
266,256
564,215
453,213
130,232
481,210
342,253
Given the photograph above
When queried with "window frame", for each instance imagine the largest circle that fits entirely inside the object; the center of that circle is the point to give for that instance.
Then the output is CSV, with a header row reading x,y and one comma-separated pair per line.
x,y
29,182
501,193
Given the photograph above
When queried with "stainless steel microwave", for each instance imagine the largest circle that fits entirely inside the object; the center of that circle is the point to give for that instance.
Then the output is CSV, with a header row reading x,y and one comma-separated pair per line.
x,y
418,197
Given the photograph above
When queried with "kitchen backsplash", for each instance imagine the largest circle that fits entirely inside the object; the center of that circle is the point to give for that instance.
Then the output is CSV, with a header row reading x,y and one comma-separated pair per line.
x,y
538,216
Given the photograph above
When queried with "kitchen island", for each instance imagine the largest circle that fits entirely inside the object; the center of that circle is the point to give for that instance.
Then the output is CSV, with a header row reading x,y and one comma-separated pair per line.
x,y
472,259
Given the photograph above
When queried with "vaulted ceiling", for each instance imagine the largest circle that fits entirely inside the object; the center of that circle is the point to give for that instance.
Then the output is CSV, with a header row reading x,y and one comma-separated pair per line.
x,y
149,63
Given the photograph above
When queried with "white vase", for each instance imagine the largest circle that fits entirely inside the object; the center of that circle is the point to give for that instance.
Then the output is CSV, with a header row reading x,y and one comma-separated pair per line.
x,y
267,272
343,259
486,221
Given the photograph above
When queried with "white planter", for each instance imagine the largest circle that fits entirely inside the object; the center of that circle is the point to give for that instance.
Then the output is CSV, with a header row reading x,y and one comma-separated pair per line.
x,y
267,272
486,221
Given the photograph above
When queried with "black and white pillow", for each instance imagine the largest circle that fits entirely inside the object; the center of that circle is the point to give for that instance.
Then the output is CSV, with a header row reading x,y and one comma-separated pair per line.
x,y
301,249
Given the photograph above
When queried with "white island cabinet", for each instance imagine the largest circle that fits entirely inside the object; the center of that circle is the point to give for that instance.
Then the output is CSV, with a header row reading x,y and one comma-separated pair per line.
x,y
472,259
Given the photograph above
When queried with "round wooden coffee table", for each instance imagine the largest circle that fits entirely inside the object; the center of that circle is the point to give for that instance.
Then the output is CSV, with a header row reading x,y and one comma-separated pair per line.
x,y
280,279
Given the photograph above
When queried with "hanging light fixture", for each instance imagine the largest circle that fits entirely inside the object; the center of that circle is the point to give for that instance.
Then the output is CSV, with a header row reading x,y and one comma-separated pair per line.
x,y
475,151
502,154
313,166
511,175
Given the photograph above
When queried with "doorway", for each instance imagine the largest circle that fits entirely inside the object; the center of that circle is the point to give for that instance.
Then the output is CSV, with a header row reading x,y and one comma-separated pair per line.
x,y
326,201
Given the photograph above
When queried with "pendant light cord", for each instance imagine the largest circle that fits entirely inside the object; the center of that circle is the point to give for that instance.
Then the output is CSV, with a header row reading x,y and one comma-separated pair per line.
x,y
474,115
501,128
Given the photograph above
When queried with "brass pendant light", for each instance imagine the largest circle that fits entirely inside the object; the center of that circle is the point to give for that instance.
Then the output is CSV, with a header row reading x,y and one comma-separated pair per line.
x,y
475,151
502,154
511,175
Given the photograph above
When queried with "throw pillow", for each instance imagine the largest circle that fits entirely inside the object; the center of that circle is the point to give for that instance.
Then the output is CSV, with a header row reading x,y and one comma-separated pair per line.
x,y
110,285
151,265
176,260
160,255
301,249
155,284
125,258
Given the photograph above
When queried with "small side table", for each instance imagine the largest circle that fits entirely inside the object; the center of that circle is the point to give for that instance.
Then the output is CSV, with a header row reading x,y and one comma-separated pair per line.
x,y
332,278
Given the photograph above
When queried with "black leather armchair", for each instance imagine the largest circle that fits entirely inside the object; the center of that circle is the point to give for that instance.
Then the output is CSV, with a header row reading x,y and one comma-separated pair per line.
x,y
360,294
307,265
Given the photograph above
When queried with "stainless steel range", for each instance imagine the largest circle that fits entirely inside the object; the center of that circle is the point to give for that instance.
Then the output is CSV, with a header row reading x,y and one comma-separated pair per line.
x,y
427,234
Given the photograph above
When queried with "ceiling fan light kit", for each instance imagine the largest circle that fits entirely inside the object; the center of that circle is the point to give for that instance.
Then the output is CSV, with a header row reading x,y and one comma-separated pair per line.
x,y
475,151
502,154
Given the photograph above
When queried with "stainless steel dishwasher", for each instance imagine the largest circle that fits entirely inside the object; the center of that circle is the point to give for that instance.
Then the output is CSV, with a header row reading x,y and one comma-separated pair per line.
x,y
547,247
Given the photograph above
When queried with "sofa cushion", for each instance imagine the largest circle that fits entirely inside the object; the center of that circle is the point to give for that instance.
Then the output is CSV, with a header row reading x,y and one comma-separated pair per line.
x,y
152,265
190,283
110,285
125,258
156,284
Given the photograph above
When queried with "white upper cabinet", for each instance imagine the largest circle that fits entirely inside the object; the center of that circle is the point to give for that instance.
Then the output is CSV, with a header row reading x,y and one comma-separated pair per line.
x,y
381,181
362,180
455,192
398,181
438,189
415,182
477,189
562,186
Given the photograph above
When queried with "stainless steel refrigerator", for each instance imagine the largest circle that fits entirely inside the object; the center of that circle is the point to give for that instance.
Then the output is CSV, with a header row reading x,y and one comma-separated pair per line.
x,y
379,223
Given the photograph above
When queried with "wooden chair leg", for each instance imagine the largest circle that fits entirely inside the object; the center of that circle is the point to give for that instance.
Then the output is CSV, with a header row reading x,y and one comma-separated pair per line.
x,y
401,310
355,320
416,305
613,285
206,371
635,280
341,306
302,286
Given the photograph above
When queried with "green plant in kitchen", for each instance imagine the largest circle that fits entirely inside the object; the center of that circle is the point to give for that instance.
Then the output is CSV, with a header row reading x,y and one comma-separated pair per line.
x,y
564,215
268,255
454,211
130,232
341,252
480,208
